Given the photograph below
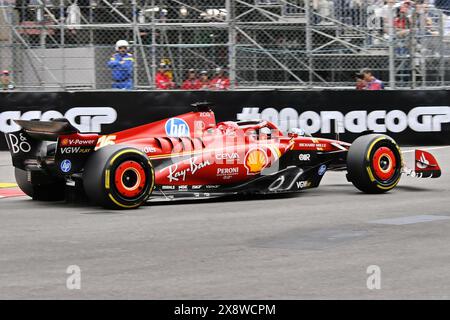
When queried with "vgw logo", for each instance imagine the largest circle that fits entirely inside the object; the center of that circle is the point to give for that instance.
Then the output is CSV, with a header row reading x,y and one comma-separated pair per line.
x,y
177,127
84,119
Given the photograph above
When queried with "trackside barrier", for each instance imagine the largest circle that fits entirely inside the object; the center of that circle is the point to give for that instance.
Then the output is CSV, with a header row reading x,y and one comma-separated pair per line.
x,y
410,117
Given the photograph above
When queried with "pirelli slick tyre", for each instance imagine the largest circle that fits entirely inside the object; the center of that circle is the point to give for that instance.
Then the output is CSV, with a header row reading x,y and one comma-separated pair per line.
x,y
118,177
50,191
374,163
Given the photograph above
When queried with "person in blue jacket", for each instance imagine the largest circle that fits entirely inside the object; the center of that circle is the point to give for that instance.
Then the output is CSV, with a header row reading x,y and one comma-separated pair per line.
x,y
121,64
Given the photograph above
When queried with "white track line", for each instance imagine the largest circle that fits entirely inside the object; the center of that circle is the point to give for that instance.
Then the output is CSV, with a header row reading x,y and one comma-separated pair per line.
x,y
426,149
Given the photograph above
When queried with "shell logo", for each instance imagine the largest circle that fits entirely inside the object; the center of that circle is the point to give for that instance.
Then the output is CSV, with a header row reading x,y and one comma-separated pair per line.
x,y
65,142
255,161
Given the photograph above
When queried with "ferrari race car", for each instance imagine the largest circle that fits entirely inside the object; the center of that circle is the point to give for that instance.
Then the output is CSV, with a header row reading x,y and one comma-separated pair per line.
x,y
192,156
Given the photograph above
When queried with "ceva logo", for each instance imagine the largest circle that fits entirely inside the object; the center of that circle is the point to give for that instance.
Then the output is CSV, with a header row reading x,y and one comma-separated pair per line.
x,y
176,127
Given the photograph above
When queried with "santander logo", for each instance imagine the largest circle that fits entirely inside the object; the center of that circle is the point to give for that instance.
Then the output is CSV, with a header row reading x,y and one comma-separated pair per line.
x,y
423,163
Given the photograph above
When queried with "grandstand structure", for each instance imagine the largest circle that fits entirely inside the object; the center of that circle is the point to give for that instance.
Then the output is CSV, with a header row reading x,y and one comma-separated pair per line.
x,y
65,44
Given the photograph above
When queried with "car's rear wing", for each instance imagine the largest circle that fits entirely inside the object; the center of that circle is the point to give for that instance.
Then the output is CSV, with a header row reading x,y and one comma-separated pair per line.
x,y
49,144
47,130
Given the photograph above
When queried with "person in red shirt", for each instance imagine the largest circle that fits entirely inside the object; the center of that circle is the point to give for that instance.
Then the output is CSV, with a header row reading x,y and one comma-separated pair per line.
x,y
402,22
204,80
360,82
191,83
220,81
162,81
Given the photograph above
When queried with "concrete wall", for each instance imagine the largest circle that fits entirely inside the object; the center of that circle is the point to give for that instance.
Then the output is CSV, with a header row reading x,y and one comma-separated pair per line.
x,y
73,66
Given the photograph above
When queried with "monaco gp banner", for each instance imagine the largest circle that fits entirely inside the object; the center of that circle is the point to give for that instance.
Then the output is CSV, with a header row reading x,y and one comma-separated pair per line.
x,y
410,117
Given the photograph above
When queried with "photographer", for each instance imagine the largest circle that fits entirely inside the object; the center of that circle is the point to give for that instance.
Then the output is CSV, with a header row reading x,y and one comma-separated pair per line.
x,y
371,83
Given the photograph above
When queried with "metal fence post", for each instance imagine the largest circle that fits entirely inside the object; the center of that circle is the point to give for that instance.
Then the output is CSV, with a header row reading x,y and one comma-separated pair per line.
x,y
391,30
442,48
309,13
62,43
231,42
412,47
153,47
135,42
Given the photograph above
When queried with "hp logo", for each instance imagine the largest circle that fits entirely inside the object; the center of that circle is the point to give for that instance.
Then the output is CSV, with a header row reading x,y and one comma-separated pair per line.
x,y
66,165
322,170
177,127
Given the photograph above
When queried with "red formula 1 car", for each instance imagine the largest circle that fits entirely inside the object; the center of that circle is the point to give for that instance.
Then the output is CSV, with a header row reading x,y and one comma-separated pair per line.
x,y
192,156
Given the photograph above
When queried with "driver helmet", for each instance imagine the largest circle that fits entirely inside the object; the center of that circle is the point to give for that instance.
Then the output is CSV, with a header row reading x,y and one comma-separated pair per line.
x,y
251,133
265,133
298,131
228,127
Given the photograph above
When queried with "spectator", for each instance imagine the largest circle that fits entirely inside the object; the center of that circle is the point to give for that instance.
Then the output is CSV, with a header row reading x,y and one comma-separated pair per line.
x,y
220,81
402,21
168,69
322,9
121,64
73,20
426,17
360,83
204,80
372,83
356,11
191,83
430,28
388,12
6,82
341,10
162,80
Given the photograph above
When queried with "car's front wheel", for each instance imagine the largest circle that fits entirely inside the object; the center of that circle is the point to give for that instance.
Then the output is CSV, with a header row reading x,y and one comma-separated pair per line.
x,y
374,163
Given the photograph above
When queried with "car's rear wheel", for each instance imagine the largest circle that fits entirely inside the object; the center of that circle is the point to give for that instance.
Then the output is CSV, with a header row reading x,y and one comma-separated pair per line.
x,y
47,191
118,177
374,163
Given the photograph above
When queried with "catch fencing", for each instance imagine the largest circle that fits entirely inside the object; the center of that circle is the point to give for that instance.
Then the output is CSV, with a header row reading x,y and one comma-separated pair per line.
x,y
65,44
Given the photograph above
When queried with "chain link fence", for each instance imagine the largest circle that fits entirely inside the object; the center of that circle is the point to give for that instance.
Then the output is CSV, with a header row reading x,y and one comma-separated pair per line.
x,y
66,44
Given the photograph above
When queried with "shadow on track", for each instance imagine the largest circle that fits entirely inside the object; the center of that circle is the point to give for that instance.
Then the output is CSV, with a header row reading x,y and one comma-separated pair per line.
x,y
84,207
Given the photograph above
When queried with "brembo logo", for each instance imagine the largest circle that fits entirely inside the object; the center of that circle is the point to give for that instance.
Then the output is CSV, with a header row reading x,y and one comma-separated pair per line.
x,y
419,119
84,119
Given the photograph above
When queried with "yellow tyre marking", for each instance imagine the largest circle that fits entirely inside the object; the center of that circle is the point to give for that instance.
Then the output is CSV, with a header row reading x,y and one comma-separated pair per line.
x,y
107,176
122,152
369,171
107,172
122,205
392,186
371,177
371,147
